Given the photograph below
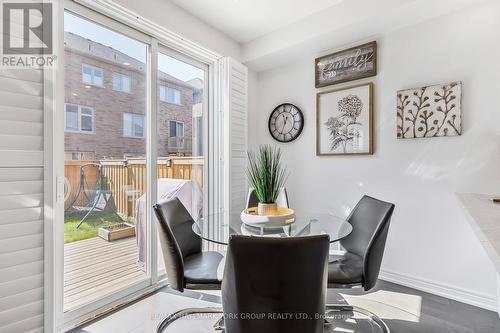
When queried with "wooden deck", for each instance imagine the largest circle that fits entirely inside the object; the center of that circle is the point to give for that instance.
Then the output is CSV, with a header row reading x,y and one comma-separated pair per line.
x,y
94,268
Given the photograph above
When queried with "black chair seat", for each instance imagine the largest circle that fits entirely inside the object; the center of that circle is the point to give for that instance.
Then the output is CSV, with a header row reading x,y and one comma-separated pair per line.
x,y
345,269
201,268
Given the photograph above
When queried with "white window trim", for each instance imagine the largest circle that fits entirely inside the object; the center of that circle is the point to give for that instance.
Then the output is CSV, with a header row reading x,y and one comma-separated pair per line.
x,y
121,82
162,86
79,131
92,75
143,125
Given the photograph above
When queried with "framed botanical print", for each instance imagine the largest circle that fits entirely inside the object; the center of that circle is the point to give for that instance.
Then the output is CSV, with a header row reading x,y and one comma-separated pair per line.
x,y
345,121
430,111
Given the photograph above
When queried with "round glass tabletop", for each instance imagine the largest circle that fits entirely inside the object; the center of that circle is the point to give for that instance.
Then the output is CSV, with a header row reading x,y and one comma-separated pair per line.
x,y
217,228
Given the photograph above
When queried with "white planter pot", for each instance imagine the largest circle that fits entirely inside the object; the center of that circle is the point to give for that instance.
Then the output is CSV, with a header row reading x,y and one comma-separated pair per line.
x,y
267,209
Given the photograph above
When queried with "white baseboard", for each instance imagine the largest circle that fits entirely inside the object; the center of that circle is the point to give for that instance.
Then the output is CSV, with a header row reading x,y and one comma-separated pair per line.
x,y
474,298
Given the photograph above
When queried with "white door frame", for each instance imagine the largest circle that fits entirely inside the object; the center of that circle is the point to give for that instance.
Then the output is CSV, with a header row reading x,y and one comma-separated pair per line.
x,y
110,16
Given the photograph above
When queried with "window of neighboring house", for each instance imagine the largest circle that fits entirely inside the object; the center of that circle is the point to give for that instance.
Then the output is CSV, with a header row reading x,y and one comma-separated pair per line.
x,y
170,95
133,125
92,75
79,155
121,82
79,118
176,129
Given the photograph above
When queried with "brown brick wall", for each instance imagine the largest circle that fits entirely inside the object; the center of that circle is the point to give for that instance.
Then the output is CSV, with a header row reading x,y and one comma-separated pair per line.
x,y
108,140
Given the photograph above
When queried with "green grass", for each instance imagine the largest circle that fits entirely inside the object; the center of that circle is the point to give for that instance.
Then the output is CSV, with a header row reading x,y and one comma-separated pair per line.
x,y
89,227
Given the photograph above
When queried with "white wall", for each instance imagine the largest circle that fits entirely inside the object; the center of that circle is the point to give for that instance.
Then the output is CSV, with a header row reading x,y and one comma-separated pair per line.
x,y
429,238
176,19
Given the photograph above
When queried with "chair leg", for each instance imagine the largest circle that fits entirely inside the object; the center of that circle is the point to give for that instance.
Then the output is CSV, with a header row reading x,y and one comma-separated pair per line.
x,y
331,308
186,312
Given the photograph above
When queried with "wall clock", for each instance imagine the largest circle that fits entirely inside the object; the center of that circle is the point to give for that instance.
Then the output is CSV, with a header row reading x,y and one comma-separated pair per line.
x,y
286,122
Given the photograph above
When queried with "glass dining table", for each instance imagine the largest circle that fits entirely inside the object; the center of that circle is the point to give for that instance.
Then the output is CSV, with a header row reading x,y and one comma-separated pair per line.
x,y
218,228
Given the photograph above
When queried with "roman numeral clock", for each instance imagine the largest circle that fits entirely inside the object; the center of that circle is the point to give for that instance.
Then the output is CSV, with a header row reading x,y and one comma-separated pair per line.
x,y
286,122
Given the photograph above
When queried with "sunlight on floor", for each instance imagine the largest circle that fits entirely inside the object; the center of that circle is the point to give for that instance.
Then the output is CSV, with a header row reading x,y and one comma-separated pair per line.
x,y
389,305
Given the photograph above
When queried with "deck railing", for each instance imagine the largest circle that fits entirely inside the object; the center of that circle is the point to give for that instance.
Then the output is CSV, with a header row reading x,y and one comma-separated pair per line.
x,y
126,178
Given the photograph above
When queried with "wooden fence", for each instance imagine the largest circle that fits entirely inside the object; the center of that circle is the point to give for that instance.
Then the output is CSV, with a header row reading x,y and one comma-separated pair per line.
x,y
127,178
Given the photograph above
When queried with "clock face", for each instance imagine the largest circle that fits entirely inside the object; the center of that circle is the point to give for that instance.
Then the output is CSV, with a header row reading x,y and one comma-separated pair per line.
x,y
286,122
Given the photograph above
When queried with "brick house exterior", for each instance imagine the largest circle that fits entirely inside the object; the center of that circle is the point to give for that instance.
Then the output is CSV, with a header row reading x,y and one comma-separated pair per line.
x,y
108,139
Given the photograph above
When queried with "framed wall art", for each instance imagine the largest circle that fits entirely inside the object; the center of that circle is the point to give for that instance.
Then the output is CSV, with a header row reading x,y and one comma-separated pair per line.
x,y
430,111
352,64
345,121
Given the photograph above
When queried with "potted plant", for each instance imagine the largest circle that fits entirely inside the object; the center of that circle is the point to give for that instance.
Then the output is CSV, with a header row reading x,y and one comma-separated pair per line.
x,y
267,176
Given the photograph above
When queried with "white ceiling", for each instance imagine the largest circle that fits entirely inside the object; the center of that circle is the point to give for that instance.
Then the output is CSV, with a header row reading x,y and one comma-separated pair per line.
x,y
275,32
245,20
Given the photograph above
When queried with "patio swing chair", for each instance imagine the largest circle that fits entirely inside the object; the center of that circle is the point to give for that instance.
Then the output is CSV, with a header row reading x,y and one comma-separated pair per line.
x,y
97,200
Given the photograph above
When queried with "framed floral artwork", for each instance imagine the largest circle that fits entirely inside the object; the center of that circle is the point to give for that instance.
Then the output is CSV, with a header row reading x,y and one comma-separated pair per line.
x,y
345,121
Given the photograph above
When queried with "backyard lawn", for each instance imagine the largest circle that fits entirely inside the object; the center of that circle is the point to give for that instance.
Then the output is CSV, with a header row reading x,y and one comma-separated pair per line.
x,y
89,227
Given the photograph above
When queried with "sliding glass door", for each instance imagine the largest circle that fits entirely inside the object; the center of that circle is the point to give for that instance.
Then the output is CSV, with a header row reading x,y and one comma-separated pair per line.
x,y
181,117
135,133
105,161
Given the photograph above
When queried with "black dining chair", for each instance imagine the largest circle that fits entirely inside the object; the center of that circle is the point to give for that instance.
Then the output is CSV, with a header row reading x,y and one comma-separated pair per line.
x,y
360,265
186,264
275,284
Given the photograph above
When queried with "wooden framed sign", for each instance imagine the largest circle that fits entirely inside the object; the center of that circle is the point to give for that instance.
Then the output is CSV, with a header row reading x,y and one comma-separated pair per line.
x,y
352,64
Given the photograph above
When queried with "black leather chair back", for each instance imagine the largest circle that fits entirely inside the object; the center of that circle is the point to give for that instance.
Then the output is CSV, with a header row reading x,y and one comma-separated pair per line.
x,y
266,277
177,239
370,220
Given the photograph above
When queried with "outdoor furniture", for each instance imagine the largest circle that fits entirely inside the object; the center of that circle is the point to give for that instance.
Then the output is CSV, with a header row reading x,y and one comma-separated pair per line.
x,y
189,193
93,198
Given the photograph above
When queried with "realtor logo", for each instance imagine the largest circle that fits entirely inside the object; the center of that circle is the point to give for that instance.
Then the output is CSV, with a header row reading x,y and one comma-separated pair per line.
x,y
27,28
26,34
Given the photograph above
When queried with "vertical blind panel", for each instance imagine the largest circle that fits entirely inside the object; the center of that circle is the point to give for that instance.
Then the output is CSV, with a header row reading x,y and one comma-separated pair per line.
x,y
237,134
21,200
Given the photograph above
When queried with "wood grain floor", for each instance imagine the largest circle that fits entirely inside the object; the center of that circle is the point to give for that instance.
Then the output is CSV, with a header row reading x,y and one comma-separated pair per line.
x,y
94,268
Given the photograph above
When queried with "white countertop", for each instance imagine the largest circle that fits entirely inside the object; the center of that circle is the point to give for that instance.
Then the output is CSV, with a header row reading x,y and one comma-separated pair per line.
x,y
484,217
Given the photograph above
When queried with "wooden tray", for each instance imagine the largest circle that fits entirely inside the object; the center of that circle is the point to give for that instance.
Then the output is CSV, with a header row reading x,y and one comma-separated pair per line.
x,y
283,217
